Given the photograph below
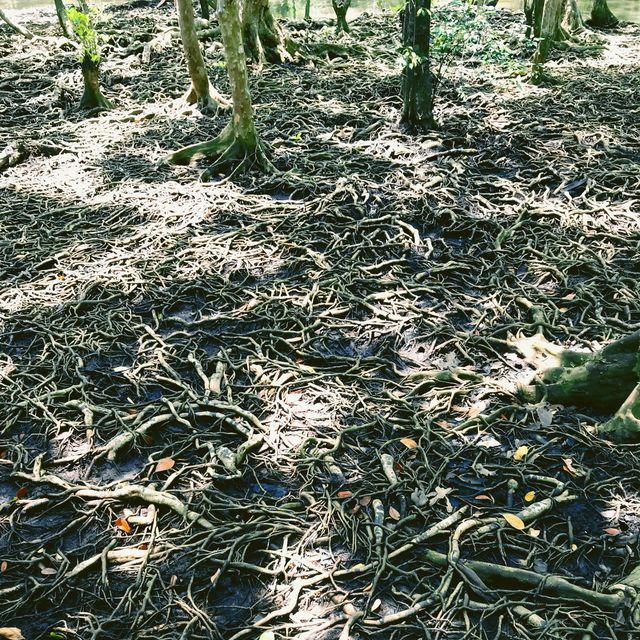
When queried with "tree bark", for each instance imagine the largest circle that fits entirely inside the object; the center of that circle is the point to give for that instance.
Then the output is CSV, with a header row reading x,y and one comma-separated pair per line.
x,y
533,15
417,79
15,27
601,15
237,147
63,19
92,97
307,10
340,8
571,23
263,37
201,91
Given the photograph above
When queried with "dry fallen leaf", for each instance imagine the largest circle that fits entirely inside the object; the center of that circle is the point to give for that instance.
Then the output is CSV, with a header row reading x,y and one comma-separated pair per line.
x,y
394,513
48,571
267,635
123,525
529,496
3,566
173,581
483,496
165,464
409,443
365,500
21,493
520,453
612,531
376,604
567,466
514,521
344,494
534,533
11,633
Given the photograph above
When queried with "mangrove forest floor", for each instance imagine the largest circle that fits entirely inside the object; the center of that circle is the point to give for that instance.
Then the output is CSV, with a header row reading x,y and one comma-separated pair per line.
x,y
230,408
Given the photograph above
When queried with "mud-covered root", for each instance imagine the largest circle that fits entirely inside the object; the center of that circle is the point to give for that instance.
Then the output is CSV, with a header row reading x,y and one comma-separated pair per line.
x,y
625,424
212,104
601,16
92,97
602,380
229,153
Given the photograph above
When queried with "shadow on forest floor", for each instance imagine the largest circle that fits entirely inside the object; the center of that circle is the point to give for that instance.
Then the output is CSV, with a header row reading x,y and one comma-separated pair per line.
x,y
305,308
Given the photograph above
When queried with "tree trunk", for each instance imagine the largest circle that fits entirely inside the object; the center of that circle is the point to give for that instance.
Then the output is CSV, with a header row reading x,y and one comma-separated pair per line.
x,y
263,37
571,22
237,146
606,380
201,91
340,8
204,9
15,27
92,97
417,79
63,18
601,16
307,10
533,15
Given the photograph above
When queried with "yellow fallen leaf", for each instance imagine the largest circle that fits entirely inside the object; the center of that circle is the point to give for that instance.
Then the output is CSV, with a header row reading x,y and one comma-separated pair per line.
x,y
123,525
520,453
409,443
165,464
574,547
529,496
514,521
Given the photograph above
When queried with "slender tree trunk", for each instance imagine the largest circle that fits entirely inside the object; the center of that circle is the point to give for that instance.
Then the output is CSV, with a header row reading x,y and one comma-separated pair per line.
x,y
201,91
307,10
571,22
204,9
417,79
601,15
533,14
15,27
340,8
263,37
238,145
63,18
92,97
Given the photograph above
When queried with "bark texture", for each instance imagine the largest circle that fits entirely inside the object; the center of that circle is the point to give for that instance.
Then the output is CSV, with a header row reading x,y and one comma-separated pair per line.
x,y
417,79
264,39
92,97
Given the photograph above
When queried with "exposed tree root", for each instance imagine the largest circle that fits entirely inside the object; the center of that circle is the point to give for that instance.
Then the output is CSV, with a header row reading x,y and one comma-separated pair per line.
x,y
511,578
605,380
213,103
228,152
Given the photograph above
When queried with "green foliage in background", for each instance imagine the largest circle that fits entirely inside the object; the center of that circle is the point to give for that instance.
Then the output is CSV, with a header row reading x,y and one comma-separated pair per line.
x,y
82,24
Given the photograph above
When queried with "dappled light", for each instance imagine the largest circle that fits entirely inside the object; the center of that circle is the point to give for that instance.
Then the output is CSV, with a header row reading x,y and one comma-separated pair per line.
x,y
368,371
